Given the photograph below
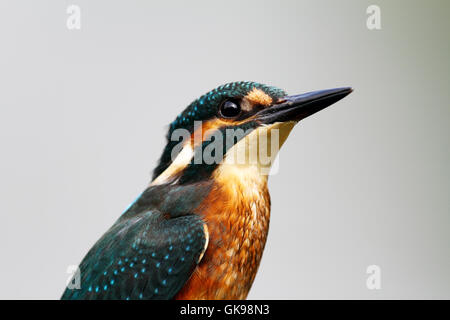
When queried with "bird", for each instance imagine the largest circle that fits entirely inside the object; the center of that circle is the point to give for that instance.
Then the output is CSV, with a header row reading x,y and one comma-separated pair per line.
x,y
198,230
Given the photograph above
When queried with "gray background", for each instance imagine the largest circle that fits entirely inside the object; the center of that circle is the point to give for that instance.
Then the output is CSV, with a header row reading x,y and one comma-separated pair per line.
x,y
83,115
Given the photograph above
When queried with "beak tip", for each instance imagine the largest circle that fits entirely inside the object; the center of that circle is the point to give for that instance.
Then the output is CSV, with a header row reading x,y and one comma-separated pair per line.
x,y
345,90
349,90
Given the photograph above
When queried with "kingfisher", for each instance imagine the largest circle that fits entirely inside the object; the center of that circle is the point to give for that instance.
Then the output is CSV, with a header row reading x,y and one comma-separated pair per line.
x,y
199,229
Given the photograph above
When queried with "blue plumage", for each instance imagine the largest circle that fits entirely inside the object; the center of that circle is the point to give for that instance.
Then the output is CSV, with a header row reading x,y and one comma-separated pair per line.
x,y
146,254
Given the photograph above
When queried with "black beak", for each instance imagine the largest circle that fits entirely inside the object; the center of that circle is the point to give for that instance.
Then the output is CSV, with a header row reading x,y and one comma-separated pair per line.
x,y
300,106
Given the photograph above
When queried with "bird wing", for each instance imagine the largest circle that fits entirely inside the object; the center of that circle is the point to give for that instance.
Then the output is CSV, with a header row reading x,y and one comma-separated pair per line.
x,y
145,256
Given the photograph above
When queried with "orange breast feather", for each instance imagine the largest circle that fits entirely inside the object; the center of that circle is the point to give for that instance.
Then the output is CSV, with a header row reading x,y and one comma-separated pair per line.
x,y
237,213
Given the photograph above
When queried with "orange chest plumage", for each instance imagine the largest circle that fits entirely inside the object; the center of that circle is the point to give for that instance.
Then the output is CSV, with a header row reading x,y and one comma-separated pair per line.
x,y
237,215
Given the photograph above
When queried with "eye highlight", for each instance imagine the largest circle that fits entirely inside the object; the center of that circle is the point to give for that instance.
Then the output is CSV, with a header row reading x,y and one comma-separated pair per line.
x,y
229,109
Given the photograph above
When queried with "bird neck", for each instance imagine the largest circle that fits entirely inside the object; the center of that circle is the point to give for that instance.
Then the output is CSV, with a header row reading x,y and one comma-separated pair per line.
x,y
237,212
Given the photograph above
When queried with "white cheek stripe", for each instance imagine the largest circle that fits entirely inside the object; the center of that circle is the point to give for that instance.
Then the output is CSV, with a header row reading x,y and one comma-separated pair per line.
x,y
180,162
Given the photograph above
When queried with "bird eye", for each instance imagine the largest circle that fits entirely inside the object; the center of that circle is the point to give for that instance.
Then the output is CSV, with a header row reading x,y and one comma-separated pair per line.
x,y
230,109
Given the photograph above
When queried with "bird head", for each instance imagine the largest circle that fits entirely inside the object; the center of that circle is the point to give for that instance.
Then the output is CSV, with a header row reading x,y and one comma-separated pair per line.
x,y
239,125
